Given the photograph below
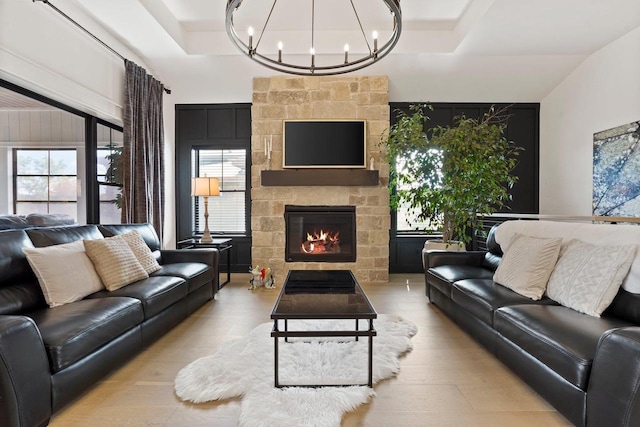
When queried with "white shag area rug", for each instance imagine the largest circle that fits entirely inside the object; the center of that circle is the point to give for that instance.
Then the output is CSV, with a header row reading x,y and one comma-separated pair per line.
x,y
245,367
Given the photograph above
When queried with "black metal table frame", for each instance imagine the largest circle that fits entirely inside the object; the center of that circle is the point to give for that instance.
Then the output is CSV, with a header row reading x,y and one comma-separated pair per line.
x,y
286,334
221,247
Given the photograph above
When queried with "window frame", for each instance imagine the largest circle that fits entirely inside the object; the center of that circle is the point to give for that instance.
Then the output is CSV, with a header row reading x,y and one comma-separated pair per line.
x,y
217,126
90,188
16,175
195,203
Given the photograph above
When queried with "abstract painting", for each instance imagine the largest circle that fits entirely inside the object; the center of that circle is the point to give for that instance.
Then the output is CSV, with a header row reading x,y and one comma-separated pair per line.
x,y
616,171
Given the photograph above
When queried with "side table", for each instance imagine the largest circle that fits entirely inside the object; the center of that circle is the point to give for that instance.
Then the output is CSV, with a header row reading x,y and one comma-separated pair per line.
x,y
222,245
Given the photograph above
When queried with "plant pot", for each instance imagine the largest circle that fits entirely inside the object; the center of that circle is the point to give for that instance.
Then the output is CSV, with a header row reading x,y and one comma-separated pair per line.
x,y
452,246
439,245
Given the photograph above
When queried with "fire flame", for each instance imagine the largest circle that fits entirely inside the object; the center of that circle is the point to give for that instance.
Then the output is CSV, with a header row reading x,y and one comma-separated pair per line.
x,y
323,242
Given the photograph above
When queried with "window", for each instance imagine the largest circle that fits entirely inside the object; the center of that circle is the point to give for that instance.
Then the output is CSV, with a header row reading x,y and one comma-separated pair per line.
x,y
228,212
109,174
45,181
407,220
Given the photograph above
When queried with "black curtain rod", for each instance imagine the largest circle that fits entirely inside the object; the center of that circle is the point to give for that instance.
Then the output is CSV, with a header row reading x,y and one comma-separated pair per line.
x,y
47,2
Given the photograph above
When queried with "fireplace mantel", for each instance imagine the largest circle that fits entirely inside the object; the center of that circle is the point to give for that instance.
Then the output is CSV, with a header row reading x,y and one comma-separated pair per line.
x,y
319,177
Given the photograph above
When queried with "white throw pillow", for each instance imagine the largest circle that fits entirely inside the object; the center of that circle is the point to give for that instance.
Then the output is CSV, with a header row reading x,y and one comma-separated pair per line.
x,y
114,261
141,251
587,277
525,268
65,272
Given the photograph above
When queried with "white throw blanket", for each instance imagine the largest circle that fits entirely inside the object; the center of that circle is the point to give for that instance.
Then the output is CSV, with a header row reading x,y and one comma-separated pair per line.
x,y
597,234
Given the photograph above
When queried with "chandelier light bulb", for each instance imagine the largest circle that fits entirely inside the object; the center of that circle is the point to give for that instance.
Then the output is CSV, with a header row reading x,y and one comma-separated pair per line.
x,y
279,51
346,53
312,51
375,41
250,32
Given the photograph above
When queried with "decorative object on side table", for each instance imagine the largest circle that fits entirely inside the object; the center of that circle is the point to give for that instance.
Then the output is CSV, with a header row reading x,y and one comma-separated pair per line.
x,y
268,148
205,187
261,277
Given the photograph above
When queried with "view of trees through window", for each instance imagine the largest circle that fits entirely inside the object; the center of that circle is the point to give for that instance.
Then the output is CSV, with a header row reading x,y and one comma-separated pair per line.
x,y
227,213
407,217
109,174
45,181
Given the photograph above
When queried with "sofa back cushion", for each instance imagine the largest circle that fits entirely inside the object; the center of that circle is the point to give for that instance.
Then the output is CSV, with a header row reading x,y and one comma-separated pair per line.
x,y
10,222
41,237
494,251
19,289
625,306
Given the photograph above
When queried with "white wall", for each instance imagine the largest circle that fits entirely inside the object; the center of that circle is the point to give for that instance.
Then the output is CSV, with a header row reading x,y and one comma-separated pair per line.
x,y
603,92
42,51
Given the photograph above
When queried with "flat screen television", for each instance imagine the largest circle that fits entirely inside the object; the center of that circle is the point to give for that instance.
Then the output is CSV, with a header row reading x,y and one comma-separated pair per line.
x,y
325,144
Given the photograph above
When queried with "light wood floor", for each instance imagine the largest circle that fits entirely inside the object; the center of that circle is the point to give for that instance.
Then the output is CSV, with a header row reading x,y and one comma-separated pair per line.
x,y
447,380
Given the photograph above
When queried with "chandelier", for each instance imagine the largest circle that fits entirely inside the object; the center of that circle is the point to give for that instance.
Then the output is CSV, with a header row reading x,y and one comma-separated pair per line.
x,y
276,58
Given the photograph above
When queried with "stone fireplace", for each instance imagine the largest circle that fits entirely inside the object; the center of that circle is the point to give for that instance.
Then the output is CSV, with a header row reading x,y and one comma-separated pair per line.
x,y
320,233
308,98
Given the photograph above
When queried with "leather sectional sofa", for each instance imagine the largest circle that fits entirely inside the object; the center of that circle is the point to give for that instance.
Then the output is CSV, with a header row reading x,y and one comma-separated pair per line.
x,y
588,368
49,356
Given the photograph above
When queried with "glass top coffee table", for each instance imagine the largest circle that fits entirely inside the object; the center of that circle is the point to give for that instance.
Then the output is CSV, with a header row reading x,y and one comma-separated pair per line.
x,y
323,295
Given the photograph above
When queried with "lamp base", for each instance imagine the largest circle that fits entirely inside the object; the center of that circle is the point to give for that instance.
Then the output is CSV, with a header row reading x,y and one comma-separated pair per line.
x,y
206,236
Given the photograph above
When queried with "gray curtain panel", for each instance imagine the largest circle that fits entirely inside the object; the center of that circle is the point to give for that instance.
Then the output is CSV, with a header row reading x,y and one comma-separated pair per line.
x,y
143,161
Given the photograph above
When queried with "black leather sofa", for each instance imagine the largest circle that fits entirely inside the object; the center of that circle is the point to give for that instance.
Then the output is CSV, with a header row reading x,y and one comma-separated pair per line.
x,y
588,368
49,356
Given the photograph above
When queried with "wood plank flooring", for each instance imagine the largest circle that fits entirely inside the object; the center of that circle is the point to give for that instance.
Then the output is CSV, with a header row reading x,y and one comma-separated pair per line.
x,y
447,380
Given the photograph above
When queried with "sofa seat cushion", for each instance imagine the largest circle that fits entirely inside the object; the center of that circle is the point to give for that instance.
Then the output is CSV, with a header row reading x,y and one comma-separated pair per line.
x,y
73,331
443,276
155,293
195,273
483,297
557,336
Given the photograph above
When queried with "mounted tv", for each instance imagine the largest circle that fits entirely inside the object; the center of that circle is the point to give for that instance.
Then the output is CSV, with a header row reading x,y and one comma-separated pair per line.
x,y
325,144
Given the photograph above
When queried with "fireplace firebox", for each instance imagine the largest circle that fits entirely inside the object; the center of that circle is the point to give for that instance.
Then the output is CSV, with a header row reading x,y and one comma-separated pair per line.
x,y
320,233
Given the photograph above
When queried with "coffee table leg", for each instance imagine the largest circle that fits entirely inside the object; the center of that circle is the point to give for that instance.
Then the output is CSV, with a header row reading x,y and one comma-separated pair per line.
x,y
370,354
357,329
286,328
275,354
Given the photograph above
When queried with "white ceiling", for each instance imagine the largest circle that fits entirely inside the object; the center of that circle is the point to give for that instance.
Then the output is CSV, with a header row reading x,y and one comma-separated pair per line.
x,y
10,100
465,49
179,28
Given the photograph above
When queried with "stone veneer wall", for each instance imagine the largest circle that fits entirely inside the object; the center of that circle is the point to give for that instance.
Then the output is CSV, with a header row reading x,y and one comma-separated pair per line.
x,y
357,97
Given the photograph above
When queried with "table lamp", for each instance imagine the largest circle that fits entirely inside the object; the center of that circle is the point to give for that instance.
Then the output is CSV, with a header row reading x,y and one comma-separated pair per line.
x,y
205,187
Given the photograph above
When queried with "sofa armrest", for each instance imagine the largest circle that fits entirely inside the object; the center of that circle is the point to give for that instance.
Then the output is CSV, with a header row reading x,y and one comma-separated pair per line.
x,y
434,258
25,377
613,396
209,256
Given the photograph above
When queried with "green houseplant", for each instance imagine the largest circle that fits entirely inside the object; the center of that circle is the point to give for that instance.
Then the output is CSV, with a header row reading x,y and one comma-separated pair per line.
x,y
114,174
458,172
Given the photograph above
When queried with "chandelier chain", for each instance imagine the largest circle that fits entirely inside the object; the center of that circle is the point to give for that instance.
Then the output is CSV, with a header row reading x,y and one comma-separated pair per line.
x,y
266,23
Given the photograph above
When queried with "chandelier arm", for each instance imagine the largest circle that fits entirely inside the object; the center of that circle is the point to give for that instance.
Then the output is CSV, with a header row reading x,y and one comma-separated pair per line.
x,y
364,36
265,24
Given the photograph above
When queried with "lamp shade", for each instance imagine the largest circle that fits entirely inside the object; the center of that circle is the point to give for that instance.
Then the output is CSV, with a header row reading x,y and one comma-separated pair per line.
x,y
205,186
